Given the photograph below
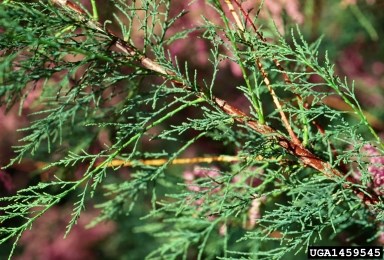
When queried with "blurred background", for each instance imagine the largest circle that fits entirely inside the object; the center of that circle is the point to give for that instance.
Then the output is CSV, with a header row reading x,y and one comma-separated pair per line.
x,y
353,34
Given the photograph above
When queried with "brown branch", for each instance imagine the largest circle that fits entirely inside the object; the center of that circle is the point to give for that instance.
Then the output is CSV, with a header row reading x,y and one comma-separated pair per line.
x,y
284,118
264,74
125,47
296,149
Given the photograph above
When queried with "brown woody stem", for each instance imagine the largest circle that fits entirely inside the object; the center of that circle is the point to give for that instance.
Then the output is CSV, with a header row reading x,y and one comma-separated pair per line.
x,y
267,82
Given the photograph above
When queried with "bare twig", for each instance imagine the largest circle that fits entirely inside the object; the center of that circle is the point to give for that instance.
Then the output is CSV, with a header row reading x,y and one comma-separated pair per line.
x,y
264,74
193,160
234,14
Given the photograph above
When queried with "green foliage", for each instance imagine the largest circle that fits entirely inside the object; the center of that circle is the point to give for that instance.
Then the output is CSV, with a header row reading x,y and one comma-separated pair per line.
x,y
154,108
